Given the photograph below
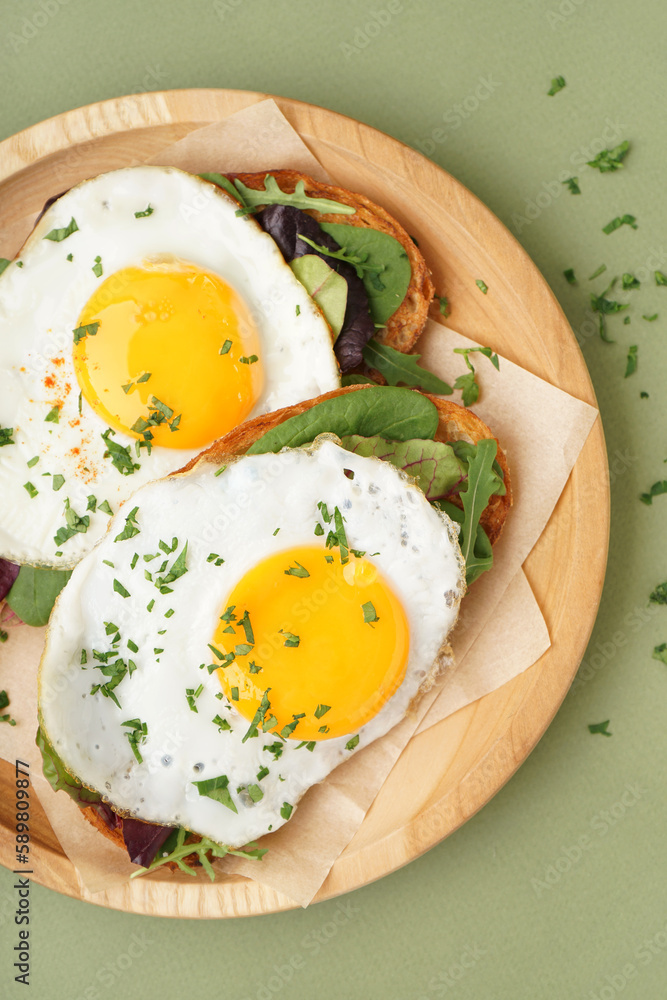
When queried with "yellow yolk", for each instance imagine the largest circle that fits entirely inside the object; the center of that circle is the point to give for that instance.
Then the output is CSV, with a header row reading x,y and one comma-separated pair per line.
x,y
329,640
168,333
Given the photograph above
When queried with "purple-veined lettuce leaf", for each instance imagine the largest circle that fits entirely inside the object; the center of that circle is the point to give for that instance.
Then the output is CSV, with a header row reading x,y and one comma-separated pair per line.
x,y
8,573
433,464
284,223
143,840
59,778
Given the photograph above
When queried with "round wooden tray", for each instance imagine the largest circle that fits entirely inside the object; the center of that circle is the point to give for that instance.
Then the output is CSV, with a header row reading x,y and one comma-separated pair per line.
x,y
463,760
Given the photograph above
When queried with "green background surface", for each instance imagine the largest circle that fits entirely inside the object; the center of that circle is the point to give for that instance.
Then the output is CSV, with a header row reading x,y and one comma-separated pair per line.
x,y
557,888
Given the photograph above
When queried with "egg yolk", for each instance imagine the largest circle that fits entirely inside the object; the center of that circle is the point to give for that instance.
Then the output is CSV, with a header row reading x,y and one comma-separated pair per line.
x,y
310,647
168,353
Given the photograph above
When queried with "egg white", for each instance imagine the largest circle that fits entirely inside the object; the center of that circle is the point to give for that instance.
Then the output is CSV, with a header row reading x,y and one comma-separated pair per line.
x,y
235,515
40,303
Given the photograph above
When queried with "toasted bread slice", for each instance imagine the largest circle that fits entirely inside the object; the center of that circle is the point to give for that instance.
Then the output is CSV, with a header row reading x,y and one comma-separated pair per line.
x,y
456,424
404,327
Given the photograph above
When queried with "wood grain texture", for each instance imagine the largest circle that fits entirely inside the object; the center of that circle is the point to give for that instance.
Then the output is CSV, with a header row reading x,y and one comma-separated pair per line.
x,y
448,772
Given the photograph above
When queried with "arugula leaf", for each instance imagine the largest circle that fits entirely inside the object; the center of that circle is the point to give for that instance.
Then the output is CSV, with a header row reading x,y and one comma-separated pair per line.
x,y
557,84
659,595
479,490
216,789
620,220
58,777
397,367
658,489
397,414
611,159
600,727
660,653
175,850
631,363
573,185
355,260
34,592
325,286
385,265
570,276
481,557
467,383
223,182
273,195
58,235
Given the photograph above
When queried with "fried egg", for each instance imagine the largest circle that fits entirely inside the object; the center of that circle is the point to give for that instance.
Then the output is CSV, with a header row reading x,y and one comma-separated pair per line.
x,y
143,320
242,630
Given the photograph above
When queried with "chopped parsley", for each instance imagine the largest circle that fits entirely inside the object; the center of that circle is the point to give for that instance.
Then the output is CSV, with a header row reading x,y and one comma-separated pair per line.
x,y
297,570
215,558
105,507
596,274
570,276
32,461
248,361
660,278
58,482
244,622
235,694
610,159
468,383
659,653
658,489
557,84
628,281
322,710
225,347
146,212
222,724
287,730
158,413
97,267
290,638
572,185
53,416
58,235
131,527
650,319
137,736
483,287
443,304
620,220
89,330
176,570
191,695
255,792
243,649
631,362
600,727
217,789
352,743
73,524
254,667
370,614
120,455
133,383
32,492
6,436
298,309
120,589
659,595
286,810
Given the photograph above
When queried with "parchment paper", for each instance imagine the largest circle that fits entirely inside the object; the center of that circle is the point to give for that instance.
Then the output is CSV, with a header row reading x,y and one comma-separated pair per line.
x,y
303,851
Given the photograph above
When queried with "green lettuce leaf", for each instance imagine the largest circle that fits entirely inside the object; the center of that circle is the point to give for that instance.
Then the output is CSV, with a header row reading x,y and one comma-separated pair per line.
x,y
34,593
59,778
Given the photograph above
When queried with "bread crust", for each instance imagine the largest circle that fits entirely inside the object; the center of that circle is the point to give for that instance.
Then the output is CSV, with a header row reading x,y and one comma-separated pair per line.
x,y
455,423
403,328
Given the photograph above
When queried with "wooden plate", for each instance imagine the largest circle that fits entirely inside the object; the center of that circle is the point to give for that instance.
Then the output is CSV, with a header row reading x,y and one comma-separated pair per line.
x,y
481,746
